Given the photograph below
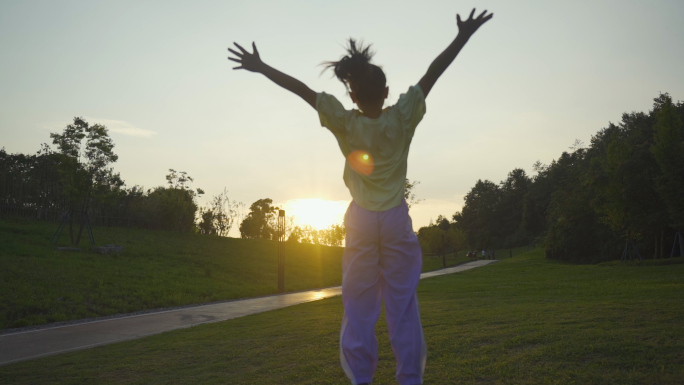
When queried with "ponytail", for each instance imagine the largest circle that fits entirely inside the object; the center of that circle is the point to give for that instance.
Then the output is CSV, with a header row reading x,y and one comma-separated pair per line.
x,y
356,72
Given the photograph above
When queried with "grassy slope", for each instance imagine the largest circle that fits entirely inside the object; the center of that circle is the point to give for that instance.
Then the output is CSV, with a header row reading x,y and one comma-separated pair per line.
x,y
520,321
158,269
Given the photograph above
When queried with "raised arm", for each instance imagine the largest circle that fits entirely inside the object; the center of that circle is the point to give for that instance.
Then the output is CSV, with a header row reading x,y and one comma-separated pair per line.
x,y
465,30
252,62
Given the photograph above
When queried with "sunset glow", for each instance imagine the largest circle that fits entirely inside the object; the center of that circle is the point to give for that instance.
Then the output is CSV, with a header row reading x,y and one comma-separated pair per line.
x,y
315,212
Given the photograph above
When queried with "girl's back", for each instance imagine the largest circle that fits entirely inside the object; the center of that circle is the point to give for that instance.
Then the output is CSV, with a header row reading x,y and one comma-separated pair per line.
x,y
376,150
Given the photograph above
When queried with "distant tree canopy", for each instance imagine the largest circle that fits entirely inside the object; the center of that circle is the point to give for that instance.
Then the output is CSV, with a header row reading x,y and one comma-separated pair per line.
x,y
174,206
260,221
85,167
332,236
668,151
441,237
70,180
583,207
219,217
79,177
31,184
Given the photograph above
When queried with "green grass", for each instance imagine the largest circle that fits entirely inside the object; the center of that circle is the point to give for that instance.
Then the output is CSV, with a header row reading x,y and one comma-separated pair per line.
x,y
158,269
524,320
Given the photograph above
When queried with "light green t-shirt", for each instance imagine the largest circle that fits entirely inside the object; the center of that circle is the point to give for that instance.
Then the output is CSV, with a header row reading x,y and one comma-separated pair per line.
x,y
376,150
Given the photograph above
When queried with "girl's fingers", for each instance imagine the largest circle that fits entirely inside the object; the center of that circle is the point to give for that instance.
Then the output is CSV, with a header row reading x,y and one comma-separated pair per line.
x,y
240,47
486,18
482,14
254,48
235,60
472,13
235,53
237,68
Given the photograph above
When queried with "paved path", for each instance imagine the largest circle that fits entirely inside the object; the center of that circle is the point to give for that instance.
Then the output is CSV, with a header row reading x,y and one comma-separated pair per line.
x,y
16,347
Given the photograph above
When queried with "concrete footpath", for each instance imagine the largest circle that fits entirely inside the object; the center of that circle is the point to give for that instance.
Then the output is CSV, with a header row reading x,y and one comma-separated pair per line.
x,y
21,346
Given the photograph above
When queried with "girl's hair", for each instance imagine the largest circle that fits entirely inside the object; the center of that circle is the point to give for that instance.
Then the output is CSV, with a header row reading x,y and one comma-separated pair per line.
x,y
355,70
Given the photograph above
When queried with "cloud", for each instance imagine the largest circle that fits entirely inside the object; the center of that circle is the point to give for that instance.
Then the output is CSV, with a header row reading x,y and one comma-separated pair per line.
x,y
115,126
122,127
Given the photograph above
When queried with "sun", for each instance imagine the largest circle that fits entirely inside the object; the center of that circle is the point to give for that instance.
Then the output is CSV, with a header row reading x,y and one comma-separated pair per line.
x,y
315,212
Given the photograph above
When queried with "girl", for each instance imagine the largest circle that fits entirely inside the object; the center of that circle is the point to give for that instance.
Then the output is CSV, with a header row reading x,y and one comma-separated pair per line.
x,y
382,258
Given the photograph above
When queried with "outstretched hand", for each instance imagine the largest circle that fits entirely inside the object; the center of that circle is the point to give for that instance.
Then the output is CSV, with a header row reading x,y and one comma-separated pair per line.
x,y
471,25
248,61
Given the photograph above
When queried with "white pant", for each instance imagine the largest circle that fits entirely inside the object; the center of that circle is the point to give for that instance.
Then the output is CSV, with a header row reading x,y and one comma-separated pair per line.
x,y
382,260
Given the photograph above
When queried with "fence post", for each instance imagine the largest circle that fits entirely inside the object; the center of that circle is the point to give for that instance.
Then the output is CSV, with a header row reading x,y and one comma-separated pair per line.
x,y
281,251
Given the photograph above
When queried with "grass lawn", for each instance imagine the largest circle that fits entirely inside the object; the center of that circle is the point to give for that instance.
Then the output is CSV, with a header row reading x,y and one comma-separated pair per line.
x,y
158,269
524,320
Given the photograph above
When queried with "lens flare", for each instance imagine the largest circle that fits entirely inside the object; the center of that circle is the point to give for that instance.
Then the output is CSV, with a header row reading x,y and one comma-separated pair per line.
x,y
361,162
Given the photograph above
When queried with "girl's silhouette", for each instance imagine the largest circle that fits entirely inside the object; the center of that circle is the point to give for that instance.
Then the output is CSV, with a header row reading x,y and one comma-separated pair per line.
x,y
382,257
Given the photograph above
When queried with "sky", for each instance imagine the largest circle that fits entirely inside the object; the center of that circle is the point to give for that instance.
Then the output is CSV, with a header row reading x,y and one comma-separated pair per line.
x,y
533,80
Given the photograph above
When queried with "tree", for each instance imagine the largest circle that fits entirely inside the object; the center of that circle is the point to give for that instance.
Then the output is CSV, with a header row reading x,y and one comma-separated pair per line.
x,y
332,236
296,235
625,187
219,217
536,202
511,206
478,217
85,168
575,233
31,182
409,194
668,150
442,223
622,171
441,236
173,207
455,238
430,238
259,221
206,223
308,234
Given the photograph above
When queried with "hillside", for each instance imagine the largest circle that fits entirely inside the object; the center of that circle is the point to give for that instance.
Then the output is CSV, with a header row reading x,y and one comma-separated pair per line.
x,y
158,269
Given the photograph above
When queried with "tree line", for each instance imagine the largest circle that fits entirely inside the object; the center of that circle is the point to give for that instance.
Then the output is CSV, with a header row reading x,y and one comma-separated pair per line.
x,y
77,177
623,195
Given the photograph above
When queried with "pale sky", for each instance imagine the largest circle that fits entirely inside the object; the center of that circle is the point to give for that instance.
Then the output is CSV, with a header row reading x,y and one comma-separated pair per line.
x,y
538,76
